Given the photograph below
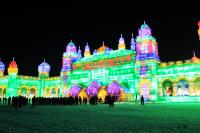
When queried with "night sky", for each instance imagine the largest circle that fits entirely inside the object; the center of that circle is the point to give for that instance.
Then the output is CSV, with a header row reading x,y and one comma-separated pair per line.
x,y
32,34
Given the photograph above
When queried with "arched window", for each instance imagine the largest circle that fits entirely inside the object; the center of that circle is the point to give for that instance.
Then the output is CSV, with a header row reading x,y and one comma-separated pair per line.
x,y
24,92
53,92
183,88
32,92
167,88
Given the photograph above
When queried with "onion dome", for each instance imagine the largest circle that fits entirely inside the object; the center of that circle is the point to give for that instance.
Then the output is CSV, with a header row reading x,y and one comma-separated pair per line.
x,y
87,47
121,44
12,69
194,58
144,26
2,66
107,51
71,48
13,64
44,67
144,30
87,50
121,39
102,49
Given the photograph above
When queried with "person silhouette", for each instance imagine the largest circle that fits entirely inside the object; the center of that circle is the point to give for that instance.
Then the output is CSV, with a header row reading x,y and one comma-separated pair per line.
x,y
9,101
33,102
142,100
80,100
136,97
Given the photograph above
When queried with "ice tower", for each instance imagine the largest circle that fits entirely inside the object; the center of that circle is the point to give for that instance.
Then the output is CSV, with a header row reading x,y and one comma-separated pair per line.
x,y
13,83
69,57
147,60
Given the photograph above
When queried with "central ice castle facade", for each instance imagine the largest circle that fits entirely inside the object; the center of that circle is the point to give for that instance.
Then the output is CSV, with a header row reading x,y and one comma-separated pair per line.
x,y
127,73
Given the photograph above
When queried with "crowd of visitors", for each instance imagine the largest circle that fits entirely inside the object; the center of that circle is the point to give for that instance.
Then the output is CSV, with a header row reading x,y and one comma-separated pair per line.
x,y
16,102
20,101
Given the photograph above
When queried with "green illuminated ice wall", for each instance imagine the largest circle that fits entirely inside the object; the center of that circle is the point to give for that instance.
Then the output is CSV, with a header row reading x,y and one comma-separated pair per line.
x,y
28,86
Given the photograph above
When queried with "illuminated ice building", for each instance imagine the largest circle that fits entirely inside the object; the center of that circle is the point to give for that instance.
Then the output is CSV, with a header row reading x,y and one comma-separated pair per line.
x,y
125,73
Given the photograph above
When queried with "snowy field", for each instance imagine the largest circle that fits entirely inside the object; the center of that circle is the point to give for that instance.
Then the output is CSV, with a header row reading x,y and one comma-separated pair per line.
x,y
123,118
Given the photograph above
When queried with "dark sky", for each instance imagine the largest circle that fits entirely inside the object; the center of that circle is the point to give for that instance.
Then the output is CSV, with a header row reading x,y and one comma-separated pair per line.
x,y
32,34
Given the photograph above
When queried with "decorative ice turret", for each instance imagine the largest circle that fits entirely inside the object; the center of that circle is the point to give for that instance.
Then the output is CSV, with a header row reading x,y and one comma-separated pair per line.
x,y
132,43
144,31
107,51
44,69
12,79
102,49
79,54
70,56
194,58
87,51
121,44
71,49
146,45
2,68
95,52
121,40
12,69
